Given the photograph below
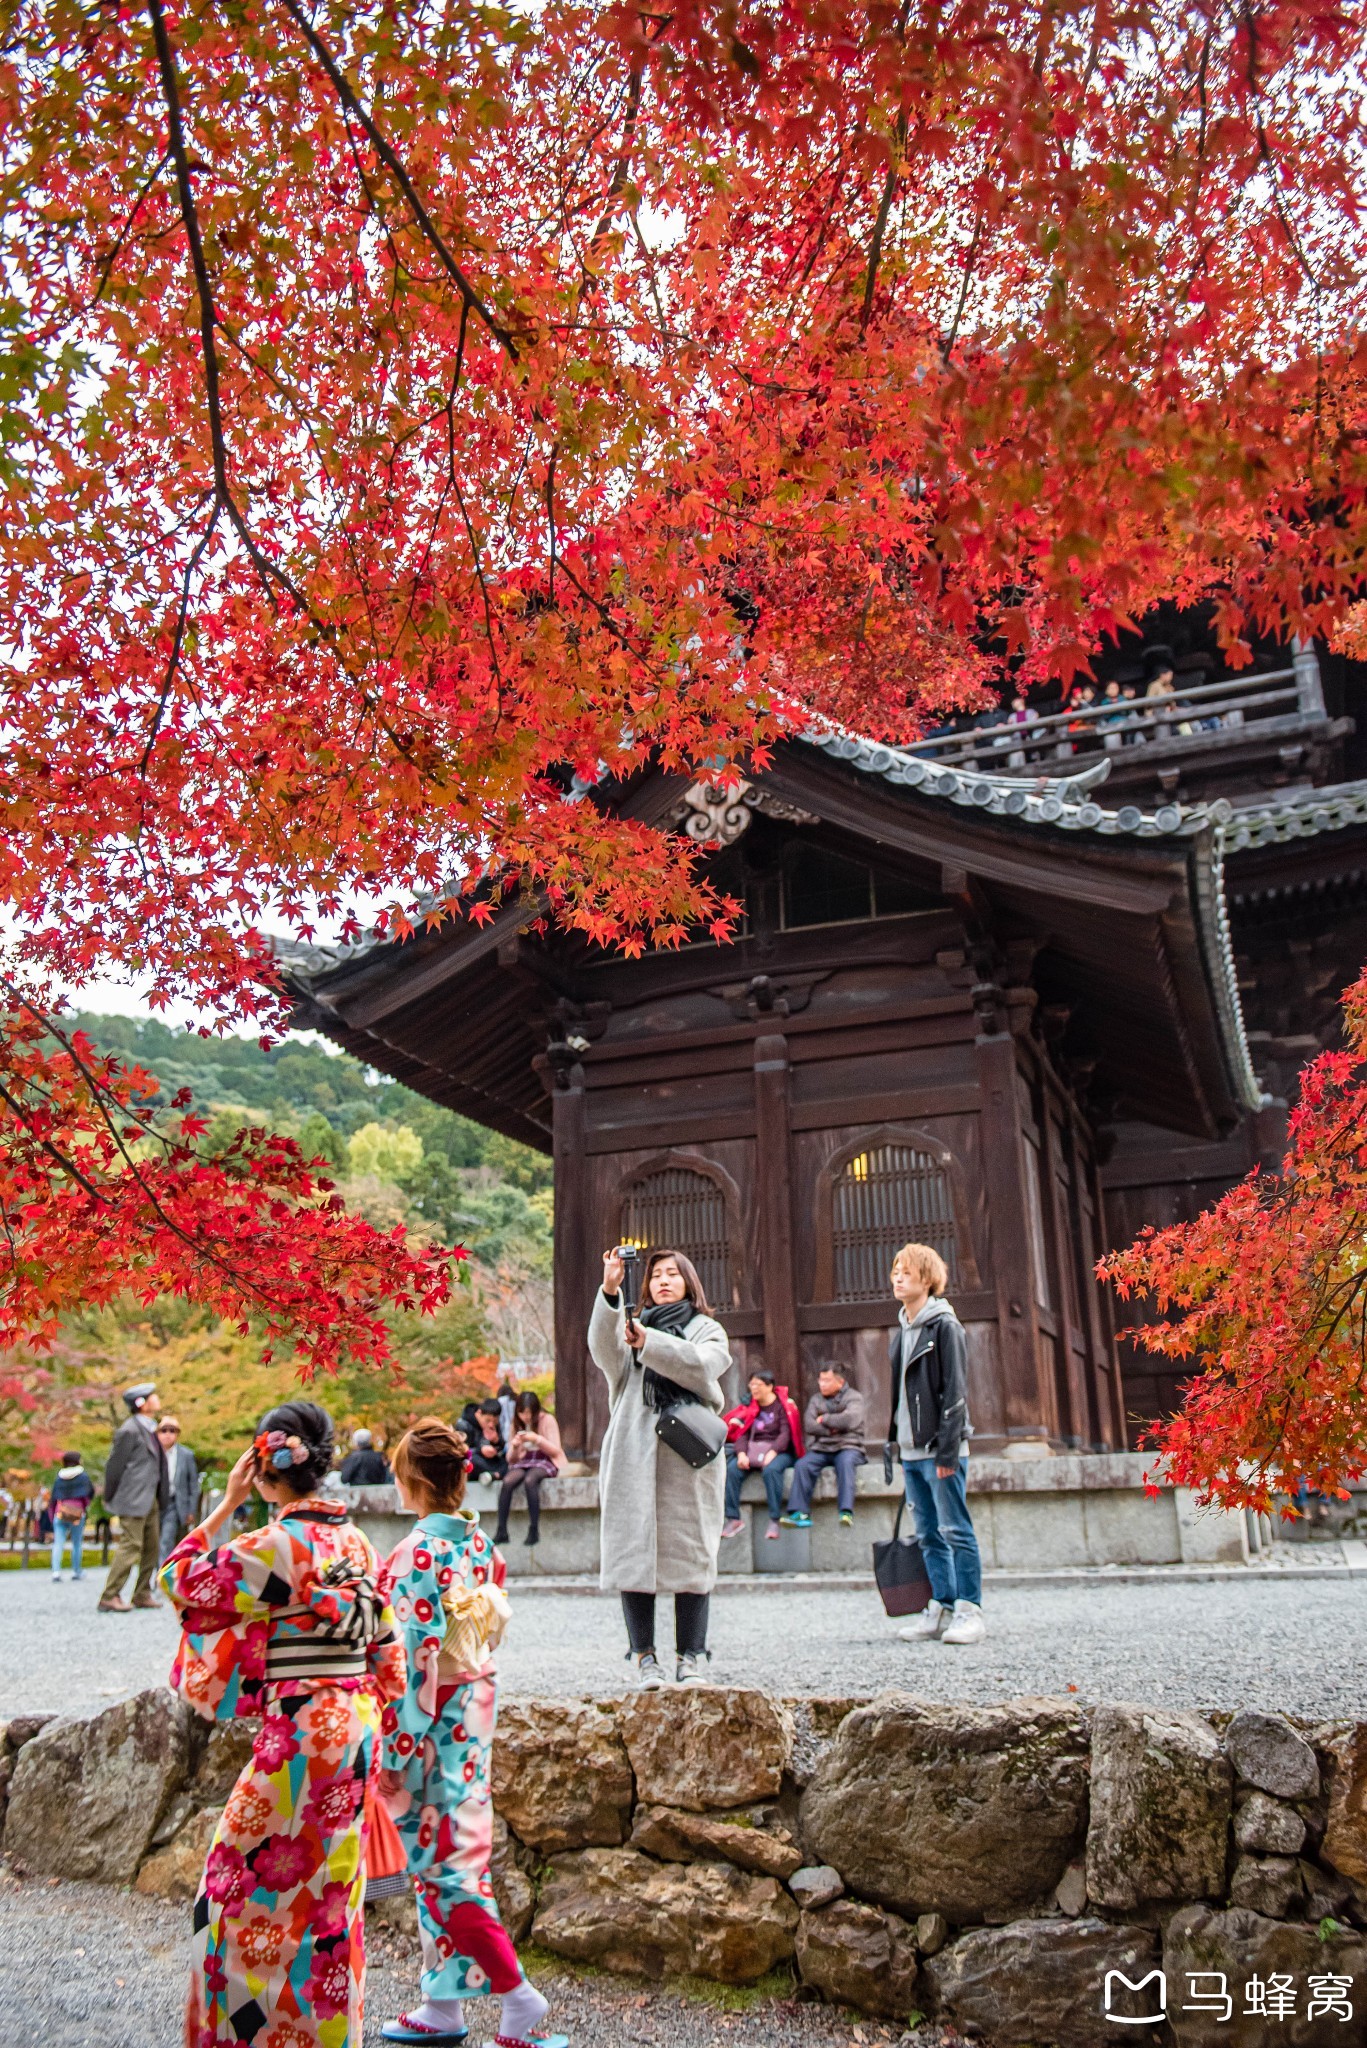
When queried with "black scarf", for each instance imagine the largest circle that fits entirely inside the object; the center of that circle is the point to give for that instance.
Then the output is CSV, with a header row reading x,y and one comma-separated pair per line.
x,y
673,1317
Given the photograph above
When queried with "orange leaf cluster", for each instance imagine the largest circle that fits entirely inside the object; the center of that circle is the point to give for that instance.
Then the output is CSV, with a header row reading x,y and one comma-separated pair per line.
x,y
1270,1286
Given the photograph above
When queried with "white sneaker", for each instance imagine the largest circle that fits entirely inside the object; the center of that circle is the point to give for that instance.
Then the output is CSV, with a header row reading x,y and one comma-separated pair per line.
x,y
649,1672
932,1621
691,1670
967,1624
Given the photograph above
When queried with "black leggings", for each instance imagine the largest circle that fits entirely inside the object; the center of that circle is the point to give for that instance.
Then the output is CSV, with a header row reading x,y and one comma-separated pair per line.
x,y
519,1476
690,1622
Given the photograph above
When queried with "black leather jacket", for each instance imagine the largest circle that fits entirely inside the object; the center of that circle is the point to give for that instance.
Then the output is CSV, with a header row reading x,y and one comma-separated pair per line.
x,y
934,1384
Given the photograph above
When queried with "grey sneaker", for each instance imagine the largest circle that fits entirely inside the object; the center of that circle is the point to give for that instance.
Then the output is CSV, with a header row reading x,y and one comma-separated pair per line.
x,y
649,1672
966,1624
931,1622
691,1669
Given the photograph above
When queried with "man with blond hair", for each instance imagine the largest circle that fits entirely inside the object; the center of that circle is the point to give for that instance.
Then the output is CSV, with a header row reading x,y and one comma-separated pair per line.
x,y
929,1432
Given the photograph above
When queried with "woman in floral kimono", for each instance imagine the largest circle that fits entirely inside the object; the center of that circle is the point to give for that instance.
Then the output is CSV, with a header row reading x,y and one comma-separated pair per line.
x,y
286,1622
445,1580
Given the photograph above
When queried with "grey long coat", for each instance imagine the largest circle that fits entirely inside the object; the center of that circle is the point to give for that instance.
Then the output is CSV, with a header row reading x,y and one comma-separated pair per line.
x,y
135,1478
660,1520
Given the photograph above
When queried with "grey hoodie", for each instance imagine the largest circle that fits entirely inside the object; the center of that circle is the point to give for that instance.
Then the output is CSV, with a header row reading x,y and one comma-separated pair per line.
x,y
932,1398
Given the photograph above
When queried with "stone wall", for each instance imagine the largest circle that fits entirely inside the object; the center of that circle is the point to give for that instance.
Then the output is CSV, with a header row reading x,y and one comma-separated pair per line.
x,y
988,1865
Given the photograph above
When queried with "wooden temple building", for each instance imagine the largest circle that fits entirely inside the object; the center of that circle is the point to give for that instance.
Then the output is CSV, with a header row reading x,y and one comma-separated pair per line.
x,y
1014,991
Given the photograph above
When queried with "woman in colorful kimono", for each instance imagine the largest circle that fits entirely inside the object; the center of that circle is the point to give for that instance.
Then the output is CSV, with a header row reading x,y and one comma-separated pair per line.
x,y
286,1622
445,1581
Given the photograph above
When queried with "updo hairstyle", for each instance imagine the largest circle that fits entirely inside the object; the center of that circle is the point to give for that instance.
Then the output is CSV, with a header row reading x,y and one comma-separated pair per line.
x,y
312,1425
430,1460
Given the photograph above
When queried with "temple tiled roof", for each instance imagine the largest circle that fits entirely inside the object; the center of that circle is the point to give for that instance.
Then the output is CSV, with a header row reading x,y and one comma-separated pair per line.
x,y
1298,814
1063,801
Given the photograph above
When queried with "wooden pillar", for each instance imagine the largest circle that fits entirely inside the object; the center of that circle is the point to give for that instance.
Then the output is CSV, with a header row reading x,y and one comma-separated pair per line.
x,y
575,1260
773,1181
1028,1405
1111,1383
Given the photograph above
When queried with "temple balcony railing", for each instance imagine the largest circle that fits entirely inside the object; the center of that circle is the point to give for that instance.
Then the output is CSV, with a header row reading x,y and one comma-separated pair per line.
x,y
1208,731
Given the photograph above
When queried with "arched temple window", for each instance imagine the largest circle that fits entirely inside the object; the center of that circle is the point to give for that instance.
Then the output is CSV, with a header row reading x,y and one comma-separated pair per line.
x,y
678,1206
884,1197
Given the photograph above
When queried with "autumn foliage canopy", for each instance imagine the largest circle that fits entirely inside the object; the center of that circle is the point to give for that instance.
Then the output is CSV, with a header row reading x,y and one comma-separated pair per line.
x,y
411,418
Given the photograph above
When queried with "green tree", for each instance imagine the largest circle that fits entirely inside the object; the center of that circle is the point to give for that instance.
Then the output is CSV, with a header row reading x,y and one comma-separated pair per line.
x,y
319,1139
384,1152
528,1170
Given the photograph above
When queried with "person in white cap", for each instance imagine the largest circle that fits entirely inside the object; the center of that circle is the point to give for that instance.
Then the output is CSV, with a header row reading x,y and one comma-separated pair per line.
x,y
137,1488
363,1464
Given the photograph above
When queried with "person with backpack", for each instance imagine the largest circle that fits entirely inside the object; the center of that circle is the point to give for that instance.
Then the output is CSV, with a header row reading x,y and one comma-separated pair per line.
x,y
68,1500
446,1583
929,1431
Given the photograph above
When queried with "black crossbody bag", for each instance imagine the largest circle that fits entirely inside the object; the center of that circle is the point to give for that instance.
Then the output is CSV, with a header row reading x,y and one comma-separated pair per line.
x,y
691,1430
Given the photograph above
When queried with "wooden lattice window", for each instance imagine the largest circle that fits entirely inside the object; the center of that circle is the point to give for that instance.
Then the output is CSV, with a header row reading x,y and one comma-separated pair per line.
x,y
883,1198
686,1210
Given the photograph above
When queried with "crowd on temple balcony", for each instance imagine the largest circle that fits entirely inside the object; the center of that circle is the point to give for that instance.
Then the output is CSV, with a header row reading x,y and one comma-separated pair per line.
x,y
1111,713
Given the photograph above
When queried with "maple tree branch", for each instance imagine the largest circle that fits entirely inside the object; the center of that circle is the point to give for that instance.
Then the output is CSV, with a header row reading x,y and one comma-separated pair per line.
x,y
881,222
970,263
623,164
550,519
68,1166
345,92
178,640
189,213
99,1091
270,572
106,268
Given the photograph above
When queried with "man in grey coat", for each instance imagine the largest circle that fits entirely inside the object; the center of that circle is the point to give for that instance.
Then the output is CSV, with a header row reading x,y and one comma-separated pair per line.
x,y
136,1489
182,1474
834,1428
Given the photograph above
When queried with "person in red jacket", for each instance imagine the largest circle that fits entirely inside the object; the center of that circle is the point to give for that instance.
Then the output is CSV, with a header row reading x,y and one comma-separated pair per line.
x,y
764,1436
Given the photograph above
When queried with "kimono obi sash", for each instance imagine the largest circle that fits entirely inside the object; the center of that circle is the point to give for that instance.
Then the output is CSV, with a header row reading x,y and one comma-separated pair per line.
x,y
315,1656
317,1623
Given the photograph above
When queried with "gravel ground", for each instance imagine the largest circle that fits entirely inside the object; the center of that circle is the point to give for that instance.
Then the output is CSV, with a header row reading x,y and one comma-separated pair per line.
x,y
83,1966
1293,1646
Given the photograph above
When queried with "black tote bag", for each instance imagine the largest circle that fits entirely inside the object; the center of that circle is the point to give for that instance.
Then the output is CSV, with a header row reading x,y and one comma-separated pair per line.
x,y
899,1571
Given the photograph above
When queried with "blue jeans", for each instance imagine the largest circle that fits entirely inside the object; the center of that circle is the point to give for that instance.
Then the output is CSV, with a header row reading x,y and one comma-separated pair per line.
x,y
944,1530
772,1474
60,1531
810,1468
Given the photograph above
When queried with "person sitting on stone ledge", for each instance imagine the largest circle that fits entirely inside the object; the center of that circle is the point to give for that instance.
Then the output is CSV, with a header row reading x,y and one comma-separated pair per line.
x,y
764,1436
363,1464
535,1453
488,1458
835,1436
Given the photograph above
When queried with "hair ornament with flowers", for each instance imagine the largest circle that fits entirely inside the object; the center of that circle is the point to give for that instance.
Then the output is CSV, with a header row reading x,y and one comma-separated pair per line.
x,y
274,1448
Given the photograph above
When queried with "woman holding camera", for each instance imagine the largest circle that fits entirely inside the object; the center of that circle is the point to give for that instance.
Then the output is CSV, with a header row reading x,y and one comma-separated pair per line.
x,y
660,1516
